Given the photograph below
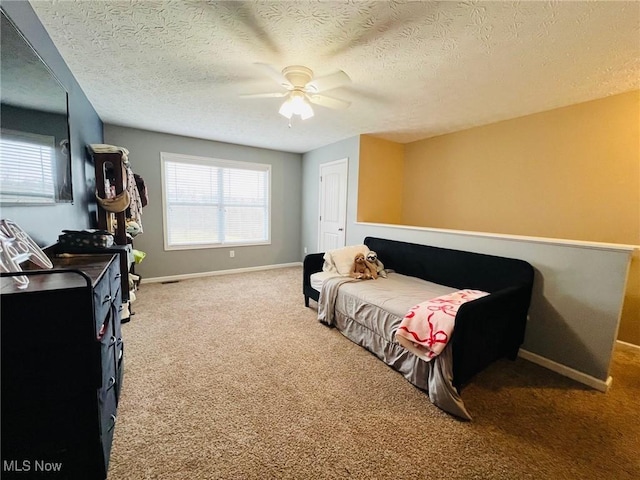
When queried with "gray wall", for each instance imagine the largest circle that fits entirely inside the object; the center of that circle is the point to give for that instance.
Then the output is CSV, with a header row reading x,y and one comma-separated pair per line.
x,y
286,194
311,161
44,223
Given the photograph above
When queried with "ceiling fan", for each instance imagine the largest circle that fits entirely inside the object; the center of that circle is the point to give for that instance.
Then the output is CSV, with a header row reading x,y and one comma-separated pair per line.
x,y
302,89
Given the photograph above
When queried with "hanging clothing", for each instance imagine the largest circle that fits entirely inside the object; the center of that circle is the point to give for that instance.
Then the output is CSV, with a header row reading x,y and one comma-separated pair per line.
x,y
134,213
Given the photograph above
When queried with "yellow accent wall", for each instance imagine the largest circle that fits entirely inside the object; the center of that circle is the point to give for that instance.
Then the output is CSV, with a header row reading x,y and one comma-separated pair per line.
x,y
380,178
569,173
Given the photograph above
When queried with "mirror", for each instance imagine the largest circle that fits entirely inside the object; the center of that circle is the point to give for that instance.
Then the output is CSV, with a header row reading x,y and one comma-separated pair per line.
x,y
35,158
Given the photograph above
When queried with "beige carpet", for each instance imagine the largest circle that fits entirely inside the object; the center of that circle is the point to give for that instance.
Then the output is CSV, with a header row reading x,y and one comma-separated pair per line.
x,y
231,377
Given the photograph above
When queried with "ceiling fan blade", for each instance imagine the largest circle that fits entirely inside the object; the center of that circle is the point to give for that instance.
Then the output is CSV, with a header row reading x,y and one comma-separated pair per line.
x,y
328,82
265,95
273,73
328,102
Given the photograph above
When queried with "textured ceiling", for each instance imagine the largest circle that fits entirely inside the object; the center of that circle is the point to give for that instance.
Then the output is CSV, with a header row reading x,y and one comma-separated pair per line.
x,y
418,69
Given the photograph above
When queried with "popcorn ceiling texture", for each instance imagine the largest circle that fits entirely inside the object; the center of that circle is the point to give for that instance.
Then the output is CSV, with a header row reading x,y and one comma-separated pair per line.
x,y
418,69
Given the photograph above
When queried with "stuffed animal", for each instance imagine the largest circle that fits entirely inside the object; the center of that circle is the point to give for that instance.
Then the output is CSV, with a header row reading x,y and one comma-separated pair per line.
x,y
375,264
361,268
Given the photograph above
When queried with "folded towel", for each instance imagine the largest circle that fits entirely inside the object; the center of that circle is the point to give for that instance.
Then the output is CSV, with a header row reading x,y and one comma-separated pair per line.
x,y
427,327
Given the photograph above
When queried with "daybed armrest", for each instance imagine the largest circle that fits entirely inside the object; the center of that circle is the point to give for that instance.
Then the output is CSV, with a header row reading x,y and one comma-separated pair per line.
x,y
312,263
488,329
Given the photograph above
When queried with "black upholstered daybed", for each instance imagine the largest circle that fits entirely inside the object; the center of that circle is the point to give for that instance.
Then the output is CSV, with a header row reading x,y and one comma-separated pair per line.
x,y
486,329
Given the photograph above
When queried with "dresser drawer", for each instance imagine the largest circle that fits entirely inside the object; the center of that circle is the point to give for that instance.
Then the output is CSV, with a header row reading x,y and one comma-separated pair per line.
x,y
119,367
107,405
108,364
107,293
115,281
102,302
107,402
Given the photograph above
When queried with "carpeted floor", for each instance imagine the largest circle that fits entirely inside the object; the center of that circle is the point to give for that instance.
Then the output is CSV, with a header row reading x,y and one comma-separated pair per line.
x,y
231,377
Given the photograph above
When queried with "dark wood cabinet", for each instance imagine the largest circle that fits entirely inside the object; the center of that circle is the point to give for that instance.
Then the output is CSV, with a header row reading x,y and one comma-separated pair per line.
x,y
62,368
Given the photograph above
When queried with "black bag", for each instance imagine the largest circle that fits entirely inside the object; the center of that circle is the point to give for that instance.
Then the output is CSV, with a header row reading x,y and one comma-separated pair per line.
x,y
142,189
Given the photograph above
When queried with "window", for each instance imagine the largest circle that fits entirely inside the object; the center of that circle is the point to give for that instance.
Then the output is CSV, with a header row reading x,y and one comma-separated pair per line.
x,y
27,168
212,203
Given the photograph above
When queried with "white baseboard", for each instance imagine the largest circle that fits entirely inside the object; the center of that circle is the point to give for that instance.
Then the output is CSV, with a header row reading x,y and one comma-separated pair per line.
x,y
627,344
187,276
583,378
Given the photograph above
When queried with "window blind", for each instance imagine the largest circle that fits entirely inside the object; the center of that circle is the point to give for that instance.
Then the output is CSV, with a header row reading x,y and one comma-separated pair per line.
x,y
26,168
213,202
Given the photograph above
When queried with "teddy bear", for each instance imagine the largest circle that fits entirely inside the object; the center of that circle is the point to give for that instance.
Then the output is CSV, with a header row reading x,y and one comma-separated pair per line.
x,y
361,268
375,264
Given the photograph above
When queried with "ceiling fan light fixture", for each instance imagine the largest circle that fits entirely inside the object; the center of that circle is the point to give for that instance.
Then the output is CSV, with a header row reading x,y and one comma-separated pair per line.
x,y
305,111
296,104
303,90
286,109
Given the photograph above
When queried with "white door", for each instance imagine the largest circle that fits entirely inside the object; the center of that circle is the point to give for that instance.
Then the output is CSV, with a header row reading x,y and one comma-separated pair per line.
x,y
333,205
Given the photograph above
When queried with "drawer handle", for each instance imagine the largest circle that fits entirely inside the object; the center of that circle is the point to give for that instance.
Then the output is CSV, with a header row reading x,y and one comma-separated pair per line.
x,y
113,422
112,341
112,382
106,299
118,275
103,330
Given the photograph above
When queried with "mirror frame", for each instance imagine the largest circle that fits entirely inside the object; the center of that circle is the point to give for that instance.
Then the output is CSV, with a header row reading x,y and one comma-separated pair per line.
x,y
35,107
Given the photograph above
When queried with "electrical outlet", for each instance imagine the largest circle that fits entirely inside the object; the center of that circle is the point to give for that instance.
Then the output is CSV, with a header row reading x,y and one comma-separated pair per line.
x,y
305,250
232,253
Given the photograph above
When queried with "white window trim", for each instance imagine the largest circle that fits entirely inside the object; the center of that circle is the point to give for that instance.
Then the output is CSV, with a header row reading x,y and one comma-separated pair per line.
x,y
198,160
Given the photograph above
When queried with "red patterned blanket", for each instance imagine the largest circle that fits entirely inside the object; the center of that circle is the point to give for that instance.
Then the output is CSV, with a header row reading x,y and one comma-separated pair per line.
x,y
426,328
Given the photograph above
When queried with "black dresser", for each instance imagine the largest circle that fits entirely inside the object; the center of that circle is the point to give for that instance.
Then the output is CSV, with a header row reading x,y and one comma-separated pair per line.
x,y
62,367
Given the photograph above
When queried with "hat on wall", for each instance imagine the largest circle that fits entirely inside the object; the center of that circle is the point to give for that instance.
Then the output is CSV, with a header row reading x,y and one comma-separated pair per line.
x,y
117,204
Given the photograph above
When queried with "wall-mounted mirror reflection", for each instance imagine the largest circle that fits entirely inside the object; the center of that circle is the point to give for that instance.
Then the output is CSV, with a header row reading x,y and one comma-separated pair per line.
x,y
35,159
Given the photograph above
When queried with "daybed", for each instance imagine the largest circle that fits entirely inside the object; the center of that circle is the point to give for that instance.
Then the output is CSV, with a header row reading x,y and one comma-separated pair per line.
x,y
369,312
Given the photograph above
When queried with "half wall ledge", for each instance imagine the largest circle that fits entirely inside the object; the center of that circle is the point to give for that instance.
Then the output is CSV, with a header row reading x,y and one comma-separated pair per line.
x,y
578,295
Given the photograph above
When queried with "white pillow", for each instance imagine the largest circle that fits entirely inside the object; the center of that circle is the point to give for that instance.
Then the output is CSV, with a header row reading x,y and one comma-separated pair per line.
x,y
340,260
